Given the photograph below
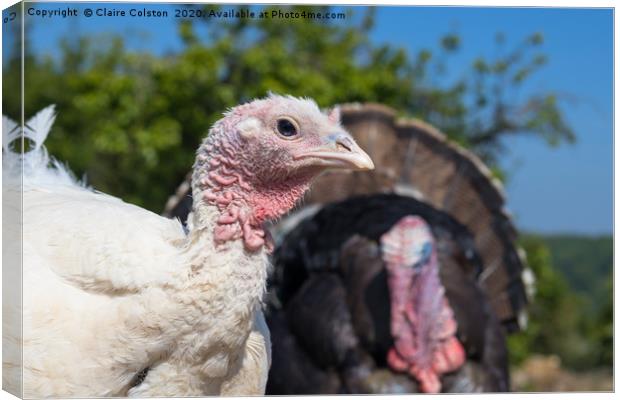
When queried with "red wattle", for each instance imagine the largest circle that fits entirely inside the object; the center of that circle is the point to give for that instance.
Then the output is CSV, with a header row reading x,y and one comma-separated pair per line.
x,y
422,322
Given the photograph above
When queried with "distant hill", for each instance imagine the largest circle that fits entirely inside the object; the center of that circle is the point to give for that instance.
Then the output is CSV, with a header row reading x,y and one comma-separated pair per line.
x,y
585,261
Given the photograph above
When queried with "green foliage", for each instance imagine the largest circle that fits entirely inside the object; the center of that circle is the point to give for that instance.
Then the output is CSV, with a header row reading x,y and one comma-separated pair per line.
x,y
586,262
494,113
603,326
132,121
562,320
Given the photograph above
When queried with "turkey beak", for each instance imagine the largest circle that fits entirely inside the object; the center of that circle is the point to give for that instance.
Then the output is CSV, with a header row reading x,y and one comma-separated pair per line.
x,y
340,151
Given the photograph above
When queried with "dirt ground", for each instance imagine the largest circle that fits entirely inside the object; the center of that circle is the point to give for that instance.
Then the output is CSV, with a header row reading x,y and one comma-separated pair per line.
x,y
545,374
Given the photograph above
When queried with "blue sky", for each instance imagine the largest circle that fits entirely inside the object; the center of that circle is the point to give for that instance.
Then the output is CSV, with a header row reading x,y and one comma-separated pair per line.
x,y
565,189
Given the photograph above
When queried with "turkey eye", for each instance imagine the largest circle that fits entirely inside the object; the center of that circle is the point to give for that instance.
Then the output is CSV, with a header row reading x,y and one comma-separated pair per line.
x,y
286,127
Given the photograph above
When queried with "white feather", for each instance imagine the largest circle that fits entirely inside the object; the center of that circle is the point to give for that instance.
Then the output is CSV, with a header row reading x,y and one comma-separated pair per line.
x,y
11,160
35,165
38,127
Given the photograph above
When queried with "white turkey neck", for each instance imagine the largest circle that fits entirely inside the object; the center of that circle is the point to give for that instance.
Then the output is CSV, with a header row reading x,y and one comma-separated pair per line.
x,y
239,275
221,288
230,281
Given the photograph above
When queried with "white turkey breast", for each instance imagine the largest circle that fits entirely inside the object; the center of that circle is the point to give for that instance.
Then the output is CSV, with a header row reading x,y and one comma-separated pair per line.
x,y
92,301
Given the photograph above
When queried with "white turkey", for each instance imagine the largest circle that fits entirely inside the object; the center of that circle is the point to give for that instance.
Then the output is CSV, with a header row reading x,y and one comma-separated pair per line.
x,y
346,317
119,301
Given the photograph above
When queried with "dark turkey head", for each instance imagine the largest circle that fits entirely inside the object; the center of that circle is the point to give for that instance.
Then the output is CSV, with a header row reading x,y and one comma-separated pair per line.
x,y
259,160
422,322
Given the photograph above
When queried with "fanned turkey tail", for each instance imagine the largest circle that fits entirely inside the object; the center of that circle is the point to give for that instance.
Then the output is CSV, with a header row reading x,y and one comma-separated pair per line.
x,y
413,159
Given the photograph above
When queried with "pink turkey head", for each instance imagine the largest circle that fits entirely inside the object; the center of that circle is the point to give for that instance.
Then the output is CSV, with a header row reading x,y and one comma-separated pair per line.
x,y
259,160
422,322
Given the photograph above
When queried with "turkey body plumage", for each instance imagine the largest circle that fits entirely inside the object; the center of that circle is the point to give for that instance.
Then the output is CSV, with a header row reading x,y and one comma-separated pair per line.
x,y
330,315
92,302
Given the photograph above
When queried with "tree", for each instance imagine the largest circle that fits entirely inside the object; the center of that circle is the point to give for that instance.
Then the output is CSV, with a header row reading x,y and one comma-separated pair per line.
x,y
133,121
337,64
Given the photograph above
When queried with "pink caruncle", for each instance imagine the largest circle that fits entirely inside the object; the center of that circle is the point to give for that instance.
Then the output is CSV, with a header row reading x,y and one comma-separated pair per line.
x,y
422,322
